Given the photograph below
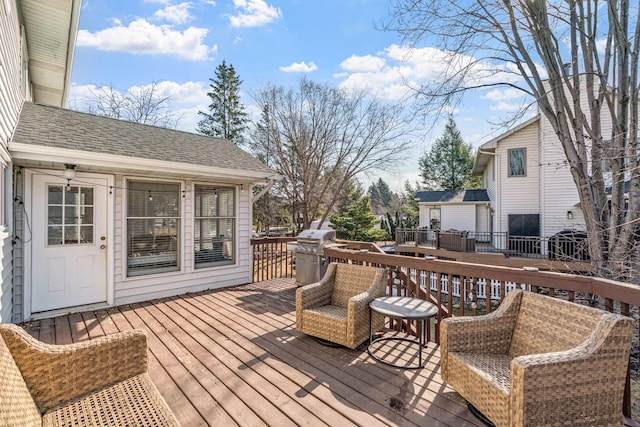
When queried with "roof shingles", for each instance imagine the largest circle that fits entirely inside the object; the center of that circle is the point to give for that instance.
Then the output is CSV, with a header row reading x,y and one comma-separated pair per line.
x,y
67,129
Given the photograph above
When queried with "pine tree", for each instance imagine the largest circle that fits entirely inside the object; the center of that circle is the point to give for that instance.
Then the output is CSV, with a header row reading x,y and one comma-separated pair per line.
x,y
381,197
449,163
226,117
356,223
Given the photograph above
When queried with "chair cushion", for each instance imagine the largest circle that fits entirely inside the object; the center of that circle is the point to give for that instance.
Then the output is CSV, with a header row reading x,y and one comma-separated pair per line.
x,y
493,368
327,322
133,402
17,407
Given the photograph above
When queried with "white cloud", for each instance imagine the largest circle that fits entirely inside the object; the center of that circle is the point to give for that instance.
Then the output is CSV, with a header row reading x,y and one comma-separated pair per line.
x,y
176,14
186,99
367,63
299,67
505,106
392,73
254,13
143,38
503,94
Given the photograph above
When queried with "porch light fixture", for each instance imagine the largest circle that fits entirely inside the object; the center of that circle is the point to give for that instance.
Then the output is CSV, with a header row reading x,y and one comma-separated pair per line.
x,y
69,173
569,215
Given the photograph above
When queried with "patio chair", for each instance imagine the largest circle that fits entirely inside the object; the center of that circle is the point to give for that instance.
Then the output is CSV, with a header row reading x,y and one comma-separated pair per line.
x,y
100,382
539,360
336,309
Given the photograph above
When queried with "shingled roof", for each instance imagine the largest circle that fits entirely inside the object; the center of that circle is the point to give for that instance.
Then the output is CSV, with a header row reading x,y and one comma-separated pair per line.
x,y
452,196
46,126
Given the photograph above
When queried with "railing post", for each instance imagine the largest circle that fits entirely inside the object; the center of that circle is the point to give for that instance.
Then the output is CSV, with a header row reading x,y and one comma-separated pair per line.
x,y
506,244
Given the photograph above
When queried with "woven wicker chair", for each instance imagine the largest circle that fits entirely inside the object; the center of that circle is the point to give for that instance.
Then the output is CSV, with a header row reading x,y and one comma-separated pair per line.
x,y
101,382
336,308
539,361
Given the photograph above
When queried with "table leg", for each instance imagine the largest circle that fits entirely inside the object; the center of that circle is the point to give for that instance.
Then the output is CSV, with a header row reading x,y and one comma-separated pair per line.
x,y
370,326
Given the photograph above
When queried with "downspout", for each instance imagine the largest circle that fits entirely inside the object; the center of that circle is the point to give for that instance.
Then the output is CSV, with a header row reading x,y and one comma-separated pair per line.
x,y
263,191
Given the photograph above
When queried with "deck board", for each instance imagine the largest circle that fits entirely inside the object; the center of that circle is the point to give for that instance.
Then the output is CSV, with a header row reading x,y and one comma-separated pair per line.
x,y
233,357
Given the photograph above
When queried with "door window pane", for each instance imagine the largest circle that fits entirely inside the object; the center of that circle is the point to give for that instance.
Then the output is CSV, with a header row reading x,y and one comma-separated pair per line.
x,y
67,208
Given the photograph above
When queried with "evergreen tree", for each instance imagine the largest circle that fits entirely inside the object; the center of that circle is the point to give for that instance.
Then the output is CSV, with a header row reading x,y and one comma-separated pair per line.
x,y
356,223
449,163
381,197
226,117
406,213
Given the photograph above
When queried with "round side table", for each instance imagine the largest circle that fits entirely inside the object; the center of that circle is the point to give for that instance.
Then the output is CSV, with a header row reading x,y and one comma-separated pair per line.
x,y
402,308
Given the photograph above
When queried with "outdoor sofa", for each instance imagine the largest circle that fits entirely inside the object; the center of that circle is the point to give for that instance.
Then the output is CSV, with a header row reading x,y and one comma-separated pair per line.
x,y
539,361
100,382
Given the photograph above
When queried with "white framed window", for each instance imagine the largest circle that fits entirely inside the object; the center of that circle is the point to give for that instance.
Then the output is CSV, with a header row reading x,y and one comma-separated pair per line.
x,y
214,225
153,227
517,162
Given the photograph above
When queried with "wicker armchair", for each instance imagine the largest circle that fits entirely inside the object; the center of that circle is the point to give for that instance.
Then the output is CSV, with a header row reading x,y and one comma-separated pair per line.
x,y
539,361
336,308
101,382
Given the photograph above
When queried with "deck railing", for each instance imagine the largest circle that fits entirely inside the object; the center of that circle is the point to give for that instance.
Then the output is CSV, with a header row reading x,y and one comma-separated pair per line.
x,y
568,247
461,289
272,258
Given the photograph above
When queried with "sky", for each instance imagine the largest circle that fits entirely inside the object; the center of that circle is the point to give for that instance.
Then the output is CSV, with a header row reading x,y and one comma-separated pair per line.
x,y
132,43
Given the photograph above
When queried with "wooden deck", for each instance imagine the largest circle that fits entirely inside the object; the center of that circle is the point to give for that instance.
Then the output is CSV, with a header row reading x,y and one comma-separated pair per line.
x,y
233,357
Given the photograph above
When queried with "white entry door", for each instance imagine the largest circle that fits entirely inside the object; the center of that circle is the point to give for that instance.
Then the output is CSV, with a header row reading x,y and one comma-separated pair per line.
x,y
69,241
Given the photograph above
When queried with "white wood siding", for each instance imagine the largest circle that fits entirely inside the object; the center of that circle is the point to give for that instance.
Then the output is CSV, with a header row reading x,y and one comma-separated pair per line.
x,y
10,71
141,288
459,217
489,179
517,194
559,192
11,99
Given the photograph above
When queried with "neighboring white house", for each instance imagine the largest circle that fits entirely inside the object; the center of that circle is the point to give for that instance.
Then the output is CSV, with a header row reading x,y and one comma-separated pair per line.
x,y
528,182
464,210
98,211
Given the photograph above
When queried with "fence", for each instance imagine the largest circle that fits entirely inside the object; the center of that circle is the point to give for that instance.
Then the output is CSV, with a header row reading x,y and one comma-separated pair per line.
x,y
570,246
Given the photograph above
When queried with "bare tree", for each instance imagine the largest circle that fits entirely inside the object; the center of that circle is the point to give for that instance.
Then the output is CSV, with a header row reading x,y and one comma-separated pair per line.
x,y
560,53
319,138
140,104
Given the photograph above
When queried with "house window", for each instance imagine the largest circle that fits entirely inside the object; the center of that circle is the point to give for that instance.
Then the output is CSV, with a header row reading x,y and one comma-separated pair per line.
x,y
69,215
153,227
214,226
434,218
517,162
